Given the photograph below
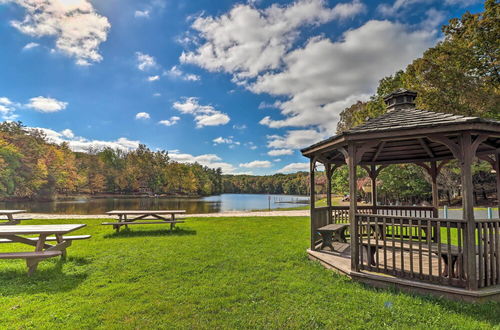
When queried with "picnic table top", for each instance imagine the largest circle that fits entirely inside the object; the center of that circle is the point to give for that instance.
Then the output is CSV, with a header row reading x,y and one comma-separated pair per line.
x,y
139,212
38,229
11,211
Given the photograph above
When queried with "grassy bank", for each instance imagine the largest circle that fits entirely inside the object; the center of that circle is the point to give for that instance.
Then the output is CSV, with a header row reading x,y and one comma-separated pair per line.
x,y
219,272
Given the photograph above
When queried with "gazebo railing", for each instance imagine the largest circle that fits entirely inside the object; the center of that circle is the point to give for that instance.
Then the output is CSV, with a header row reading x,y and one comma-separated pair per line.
x,y
428,249
322,216
488,252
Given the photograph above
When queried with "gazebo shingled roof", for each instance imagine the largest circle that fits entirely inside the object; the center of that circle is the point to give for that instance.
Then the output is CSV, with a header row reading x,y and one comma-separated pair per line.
x,y
403,122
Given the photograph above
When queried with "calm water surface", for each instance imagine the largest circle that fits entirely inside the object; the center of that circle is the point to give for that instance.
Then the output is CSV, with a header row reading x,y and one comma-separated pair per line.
x,y
211,204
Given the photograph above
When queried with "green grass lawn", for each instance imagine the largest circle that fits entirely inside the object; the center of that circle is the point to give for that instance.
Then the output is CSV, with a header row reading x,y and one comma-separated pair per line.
x,y
211,273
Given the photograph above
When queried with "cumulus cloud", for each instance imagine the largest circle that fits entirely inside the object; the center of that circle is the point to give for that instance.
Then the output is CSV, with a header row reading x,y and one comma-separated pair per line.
x,y
141,13
46,104
81,144
77,27
204,115
398,5
257,164
172,121
142,115
176,72
280,152
145,62
67,133
31,45
247,40
349,71
153,78
229,141
209,160
294,167
7,109
295,139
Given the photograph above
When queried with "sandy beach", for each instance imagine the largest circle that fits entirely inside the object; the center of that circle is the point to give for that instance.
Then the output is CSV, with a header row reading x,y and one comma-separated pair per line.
x,y
232,214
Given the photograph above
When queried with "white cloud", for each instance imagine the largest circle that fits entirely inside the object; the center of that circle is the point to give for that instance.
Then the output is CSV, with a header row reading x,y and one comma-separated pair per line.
x,y
141,13
229,141
280,152
295,139
5,101
81,144
77,27
145,62
31,45
172,121
157,94
294,167
240,127
176,72
142,115
153,78
350,70
462,2
257,164
221,140
277,160
209,160
46,104
67,133
397,6
7,109
247,40
204,115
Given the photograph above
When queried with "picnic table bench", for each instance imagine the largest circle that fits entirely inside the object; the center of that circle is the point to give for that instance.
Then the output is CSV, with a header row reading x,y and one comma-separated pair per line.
x,y
124,220
14,234
9,217
332,233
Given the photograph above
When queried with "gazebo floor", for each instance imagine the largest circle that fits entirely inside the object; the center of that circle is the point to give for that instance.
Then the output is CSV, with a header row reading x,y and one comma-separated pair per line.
x,y
339,261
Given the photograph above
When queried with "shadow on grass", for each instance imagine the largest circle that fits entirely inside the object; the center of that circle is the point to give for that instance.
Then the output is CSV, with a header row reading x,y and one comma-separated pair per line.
x,y
157,232
485,312
49,279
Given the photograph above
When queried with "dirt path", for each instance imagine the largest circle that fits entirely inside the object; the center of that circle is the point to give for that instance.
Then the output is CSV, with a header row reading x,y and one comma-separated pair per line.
x,y
294,213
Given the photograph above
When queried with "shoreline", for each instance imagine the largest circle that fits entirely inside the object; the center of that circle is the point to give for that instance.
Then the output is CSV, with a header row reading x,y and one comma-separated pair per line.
x,y
235,214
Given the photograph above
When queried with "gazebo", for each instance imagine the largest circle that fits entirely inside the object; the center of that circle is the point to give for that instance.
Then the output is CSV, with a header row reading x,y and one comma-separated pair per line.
x,y
409,247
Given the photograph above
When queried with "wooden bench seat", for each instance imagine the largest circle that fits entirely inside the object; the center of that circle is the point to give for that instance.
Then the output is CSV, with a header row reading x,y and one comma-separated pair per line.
x,y
334,232
443,250
140,223
51,239
30,255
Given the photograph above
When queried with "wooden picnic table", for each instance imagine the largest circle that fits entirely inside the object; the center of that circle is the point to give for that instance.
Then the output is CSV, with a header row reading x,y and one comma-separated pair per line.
x,y
161,215
43,250
9,214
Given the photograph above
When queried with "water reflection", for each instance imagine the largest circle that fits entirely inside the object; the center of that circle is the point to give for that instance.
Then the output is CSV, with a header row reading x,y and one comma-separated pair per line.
x,y
211,204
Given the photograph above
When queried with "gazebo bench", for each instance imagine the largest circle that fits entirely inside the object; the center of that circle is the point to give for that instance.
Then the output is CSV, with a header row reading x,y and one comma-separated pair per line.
x,y
446,249
332,233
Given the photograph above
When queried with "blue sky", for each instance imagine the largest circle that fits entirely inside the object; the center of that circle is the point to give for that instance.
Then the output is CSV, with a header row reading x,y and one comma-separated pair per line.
x,y
238,85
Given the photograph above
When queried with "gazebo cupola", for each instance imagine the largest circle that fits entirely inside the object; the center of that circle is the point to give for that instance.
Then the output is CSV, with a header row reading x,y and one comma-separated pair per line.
x,y
400,99
410,246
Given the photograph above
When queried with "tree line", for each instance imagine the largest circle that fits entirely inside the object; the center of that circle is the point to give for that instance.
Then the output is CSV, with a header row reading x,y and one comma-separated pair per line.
x,y
33,168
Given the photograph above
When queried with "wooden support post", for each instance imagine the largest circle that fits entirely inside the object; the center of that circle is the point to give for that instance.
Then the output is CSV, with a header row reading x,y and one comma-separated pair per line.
x,y
312,201
497,170
351,163
435,191
373,178
468,208
328,172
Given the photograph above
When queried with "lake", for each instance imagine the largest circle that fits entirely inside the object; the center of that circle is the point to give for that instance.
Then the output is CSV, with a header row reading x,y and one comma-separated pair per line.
x,y
210,204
